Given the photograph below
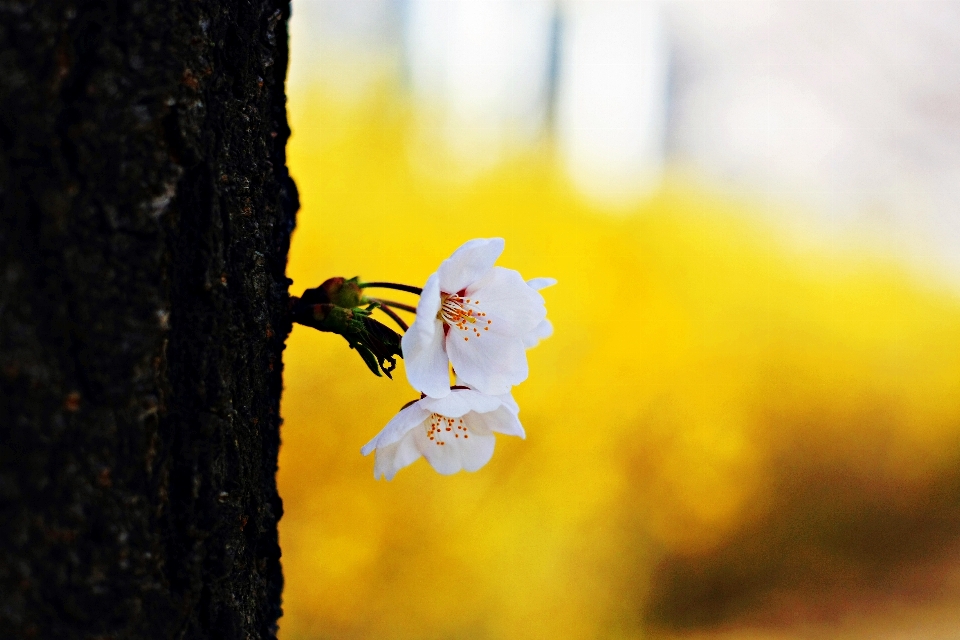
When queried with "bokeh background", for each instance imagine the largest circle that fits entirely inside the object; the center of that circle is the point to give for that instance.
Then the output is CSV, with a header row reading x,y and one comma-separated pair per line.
x,y
747,423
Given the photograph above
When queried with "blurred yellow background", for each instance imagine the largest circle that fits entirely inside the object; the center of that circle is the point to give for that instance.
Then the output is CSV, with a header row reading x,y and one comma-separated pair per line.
x,y
731,433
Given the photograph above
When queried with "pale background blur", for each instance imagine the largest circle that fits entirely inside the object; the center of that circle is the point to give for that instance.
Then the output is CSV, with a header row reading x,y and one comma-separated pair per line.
x,y
747,423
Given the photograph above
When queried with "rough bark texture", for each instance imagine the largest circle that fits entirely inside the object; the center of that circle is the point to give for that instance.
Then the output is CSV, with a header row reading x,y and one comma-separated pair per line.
x,y
146,214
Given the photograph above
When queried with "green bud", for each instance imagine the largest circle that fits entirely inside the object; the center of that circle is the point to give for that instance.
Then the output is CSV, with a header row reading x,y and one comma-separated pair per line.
x,y
342,292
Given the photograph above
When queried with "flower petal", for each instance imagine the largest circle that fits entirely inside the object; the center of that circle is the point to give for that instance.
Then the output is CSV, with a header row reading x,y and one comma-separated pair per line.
x,y
469,263
460,401
538,333
541,283
456,453
429,304
396,456
504,294
475,452
399,425
492,363
425,360
503,420
507,401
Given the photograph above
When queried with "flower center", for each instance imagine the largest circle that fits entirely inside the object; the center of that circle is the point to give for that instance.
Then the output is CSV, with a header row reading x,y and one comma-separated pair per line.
x,y
442,428
463,314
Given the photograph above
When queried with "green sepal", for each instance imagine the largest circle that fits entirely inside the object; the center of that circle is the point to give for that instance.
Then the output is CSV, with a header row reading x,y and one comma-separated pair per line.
x,y
377,344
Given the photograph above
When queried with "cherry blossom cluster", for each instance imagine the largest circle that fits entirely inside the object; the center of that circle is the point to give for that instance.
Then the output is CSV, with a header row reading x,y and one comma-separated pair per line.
x,y
473,325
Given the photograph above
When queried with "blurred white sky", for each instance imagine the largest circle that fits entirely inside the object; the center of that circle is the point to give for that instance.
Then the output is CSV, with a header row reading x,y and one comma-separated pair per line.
x,y
849,110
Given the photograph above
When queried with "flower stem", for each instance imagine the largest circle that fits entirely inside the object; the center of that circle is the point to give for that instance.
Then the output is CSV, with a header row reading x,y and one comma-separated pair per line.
x,y
390,312
391,285
395,305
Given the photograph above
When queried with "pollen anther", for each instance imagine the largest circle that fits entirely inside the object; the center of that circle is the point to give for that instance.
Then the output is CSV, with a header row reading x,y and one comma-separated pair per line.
x,y
458,312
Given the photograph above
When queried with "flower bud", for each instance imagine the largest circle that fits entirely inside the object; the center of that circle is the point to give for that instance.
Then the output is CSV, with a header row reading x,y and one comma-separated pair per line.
x,y
342,292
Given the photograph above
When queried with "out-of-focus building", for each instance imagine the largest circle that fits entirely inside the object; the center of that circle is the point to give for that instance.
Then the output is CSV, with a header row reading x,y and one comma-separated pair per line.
x,y
612,98
846,111
849,109
479,73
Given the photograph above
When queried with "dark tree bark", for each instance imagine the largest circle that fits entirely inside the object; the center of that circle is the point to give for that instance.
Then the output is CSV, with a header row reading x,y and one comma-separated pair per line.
x,y
146,213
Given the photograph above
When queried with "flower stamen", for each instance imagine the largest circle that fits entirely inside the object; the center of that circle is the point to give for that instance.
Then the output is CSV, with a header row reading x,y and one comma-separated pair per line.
x,y
440,425
461,313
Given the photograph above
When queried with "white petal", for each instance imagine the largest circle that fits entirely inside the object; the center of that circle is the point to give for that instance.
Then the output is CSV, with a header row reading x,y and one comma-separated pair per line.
x,y
425,360
460,401
456,453
475,452
538,333
469,263
429,304
508,401
399,425
396,456
504,294
491,363
541,283
503,420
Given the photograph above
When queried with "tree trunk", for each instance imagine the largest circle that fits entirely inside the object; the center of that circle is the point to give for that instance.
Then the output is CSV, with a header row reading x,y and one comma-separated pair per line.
x,y
145,215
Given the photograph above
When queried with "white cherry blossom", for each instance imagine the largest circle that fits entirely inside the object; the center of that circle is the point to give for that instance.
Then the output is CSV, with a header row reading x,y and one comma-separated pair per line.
x,y
453,433
477,317
545,329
